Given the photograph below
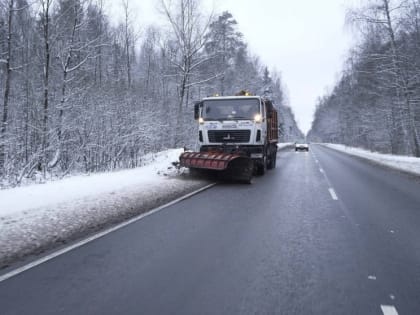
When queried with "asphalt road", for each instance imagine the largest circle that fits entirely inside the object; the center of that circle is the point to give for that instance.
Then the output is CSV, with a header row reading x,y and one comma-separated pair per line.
x,y
324,233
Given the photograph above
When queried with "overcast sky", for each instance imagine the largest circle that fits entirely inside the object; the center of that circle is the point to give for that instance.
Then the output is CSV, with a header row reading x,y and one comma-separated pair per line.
x,y
305,40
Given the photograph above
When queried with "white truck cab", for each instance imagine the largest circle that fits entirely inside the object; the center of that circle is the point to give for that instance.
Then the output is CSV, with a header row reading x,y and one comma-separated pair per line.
x,y
239,124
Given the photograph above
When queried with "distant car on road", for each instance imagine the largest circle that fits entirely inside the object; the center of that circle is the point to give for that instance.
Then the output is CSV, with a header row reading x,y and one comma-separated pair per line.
x,y
301,145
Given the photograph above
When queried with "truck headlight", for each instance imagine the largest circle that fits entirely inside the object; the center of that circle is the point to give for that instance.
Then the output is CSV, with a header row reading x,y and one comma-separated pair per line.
x,y
258,118
201,120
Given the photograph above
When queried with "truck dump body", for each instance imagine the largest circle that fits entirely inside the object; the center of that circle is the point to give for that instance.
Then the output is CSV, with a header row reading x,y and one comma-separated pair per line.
x,y
272,123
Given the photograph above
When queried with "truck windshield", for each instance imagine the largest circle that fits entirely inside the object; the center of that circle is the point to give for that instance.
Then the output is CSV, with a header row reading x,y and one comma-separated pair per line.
x,y
231,109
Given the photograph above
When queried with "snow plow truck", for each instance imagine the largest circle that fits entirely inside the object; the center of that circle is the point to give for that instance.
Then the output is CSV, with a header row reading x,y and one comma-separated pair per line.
x,y
237,135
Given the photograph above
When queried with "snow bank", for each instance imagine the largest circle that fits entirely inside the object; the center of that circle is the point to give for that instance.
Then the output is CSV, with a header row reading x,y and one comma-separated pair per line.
x,y
403,163
285,145
16,200
38,217
34,218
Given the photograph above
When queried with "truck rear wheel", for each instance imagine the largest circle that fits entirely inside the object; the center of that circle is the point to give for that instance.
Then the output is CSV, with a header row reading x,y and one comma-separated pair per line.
x,y
273,160
262,167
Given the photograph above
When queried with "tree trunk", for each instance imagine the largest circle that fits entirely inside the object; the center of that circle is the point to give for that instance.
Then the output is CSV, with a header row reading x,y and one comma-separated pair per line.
x,y
178,135
4,121
46,25
127,43
69,57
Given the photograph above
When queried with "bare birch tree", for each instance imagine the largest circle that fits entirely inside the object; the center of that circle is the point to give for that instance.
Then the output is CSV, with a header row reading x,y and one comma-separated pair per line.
x,y
8,73
189,28
46,25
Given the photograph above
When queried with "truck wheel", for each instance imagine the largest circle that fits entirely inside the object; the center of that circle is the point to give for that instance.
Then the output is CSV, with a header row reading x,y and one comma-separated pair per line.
x,y
273,161
247,180
261,168
270,162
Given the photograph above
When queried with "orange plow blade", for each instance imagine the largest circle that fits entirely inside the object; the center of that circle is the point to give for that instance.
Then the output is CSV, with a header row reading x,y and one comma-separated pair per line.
x,y
233,166
207,160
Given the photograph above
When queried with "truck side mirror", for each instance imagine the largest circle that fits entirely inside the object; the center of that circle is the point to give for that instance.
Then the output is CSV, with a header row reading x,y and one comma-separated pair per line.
x,y
197,107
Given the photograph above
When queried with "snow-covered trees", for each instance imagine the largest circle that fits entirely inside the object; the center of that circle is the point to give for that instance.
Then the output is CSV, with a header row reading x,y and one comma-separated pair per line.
x,y
189,27
80,95
376,102
223,42
7,55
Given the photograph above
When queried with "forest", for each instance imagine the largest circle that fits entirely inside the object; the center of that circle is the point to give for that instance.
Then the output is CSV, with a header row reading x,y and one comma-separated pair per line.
x,y
376,102
83,93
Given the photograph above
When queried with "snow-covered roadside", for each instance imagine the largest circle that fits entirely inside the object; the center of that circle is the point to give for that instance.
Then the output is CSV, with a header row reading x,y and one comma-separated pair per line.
x,y
37,217
403,163
284,145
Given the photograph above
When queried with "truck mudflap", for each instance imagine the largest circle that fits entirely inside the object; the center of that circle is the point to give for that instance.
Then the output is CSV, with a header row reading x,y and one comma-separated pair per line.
x,y
231,166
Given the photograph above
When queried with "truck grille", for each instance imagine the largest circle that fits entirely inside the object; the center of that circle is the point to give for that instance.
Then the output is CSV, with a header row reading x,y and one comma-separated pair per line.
x,y
232,136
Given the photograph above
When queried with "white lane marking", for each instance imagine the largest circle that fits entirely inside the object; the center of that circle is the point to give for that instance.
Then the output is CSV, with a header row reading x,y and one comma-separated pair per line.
x,y
321,170
96,236
372,277
389,310
315,157
392,296
333,194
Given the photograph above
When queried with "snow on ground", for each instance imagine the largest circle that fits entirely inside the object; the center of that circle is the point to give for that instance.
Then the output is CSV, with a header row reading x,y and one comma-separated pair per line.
x,y
14,201
403,163
281,146
36,217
